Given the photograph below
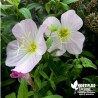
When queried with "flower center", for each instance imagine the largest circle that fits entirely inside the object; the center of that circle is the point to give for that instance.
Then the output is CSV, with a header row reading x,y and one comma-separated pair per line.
x,y
32,47
64,33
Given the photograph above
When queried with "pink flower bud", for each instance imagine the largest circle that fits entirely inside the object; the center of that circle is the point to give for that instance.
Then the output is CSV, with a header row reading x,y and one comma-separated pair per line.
x,y
19,75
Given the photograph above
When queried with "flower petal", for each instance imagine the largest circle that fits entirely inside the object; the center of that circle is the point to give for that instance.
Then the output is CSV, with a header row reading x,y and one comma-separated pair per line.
x,y
56,42
56,45
50,22
26,28
75,45
41,31
71,20
14,53
59,53
42,47
28,63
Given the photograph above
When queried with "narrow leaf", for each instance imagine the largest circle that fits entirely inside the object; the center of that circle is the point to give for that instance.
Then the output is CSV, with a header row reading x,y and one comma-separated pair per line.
x,y
33,5
30,93
12,95
48,7
23,89
38,81
69,1
26,13
4,7
14,2
64,6
52,84
44,74
88,54
7,82
54,96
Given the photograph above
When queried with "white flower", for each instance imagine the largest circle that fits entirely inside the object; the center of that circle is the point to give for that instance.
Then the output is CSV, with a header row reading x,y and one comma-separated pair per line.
x,y
26,52
65,35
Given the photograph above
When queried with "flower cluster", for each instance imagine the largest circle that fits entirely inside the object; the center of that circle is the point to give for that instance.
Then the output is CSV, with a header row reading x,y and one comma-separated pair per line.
x,y
26,51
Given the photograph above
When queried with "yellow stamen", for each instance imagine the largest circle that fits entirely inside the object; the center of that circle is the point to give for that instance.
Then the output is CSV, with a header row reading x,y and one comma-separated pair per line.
x,y
64,33
32,47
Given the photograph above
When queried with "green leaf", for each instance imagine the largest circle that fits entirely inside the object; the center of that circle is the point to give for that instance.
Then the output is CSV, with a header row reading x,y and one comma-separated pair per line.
x,y
52,84
69,1
12,95
60,79
3,14
67,67
64,6
14,2
53,96
87,79
23,89
33,5
8,22
75,73
38,81
4,7
30,93
66,55
95,90
49,42
49,93
78,66
43,74
26,13
7,82
44,83
51,75
88,54
56,59
87,63
37,95
6,40
91,79
48,7
52,65
36,72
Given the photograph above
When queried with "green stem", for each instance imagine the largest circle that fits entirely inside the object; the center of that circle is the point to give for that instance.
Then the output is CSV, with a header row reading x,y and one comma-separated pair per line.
x,y
77,56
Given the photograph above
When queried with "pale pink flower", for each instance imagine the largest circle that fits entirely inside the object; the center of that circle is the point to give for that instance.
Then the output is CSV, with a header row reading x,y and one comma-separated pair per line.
x,y
65,35
26,52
